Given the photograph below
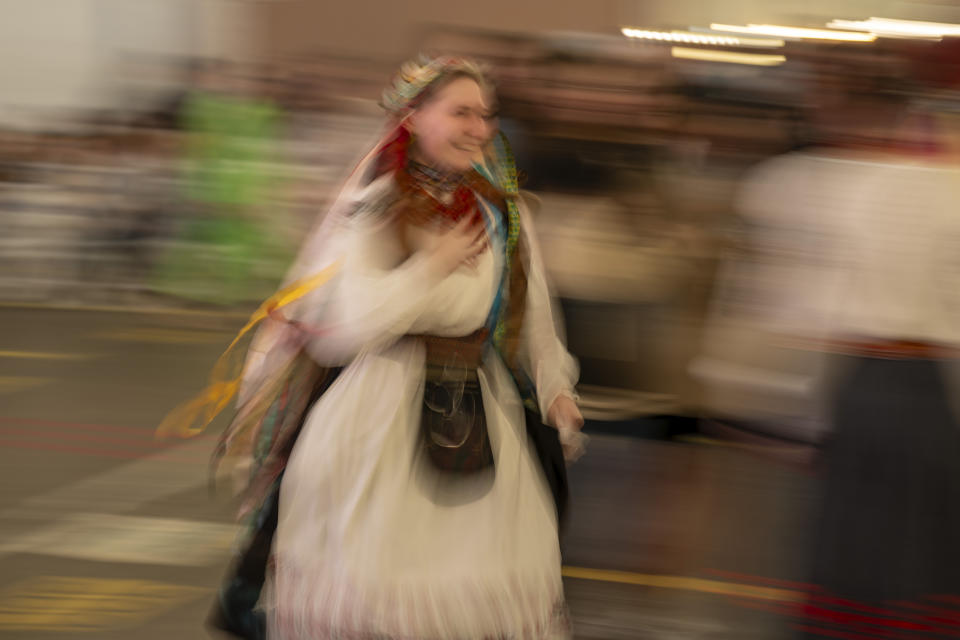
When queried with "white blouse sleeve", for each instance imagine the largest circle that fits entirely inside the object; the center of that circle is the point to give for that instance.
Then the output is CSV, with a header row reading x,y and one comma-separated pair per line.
x,y
374,299
543,353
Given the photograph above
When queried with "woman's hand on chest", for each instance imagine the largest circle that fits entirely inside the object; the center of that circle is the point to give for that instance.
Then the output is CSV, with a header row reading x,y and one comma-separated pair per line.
x,y
447,250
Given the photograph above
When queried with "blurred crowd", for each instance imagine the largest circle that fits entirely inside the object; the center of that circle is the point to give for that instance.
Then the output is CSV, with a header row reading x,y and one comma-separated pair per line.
x,y
198,195
763,247
195,197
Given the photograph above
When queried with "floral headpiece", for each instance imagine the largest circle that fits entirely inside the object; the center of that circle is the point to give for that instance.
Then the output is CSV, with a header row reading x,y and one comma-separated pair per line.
x,y
416,75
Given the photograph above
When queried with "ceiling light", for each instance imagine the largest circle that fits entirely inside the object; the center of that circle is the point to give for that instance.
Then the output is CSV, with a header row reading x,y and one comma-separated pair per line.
x,y
796,32
713,55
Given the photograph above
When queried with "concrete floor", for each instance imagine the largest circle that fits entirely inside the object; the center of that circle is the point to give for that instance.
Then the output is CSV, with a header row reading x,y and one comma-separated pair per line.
x,y
107,534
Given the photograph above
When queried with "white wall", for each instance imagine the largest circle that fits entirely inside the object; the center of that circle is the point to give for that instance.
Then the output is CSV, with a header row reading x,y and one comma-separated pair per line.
x,y
48,57
57,56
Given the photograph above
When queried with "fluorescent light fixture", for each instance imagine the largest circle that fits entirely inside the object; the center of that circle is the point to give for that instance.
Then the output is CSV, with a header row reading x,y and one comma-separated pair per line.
x,y
899,28
733,57
763,42
766,43
679,36
795,32
689,37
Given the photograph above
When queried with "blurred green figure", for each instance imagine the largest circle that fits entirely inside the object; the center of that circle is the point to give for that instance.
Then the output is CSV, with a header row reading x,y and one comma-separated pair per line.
x,y
226,254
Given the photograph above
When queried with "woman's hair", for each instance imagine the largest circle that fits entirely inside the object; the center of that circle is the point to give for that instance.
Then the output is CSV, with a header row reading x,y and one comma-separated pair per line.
x,y
419,80
448,78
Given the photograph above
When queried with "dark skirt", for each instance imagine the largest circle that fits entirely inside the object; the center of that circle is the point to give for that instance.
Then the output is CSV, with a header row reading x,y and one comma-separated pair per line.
x,y
887,543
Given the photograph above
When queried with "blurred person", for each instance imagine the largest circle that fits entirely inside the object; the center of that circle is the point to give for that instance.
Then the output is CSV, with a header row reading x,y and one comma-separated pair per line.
x,y
231,134
859,238
423,495
146,182
890,513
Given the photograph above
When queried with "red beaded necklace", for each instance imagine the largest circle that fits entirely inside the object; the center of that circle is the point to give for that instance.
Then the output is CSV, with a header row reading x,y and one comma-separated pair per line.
x,y
461,200
425,184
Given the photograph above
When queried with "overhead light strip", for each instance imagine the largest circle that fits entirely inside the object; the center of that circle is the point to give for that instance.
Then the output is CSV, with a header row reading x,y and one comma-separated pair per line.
x,y
689,37
732,57
676,36
887,27
800,33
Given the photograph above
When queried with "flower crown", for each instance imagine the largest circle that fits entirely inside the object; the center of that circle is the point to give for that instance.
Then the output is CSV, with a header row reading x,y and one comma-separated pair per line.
x,y
416,75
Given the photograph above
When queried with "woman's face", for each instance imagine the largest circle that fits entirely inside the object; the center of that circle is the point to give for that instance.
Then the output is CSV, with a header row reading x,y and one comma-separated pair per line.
x,y
451,128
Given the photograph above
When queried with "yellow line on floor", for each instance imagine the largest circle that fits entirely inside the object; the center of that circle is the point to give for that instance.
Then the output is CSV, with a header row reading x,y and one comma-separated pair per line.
x,y
13,384
168,311
689,584
165,336
716,442
42,355
65,604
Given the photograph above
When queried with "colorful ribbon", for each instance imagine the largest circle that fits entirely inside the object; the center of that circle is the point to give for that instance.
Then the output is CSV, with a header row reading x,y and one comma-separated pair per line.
x,y
226,376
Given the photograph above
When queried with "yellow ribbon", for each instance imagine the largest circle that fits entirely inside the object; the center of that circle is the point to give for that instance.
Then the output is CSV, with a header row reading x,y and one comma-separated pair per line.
x,y
223,386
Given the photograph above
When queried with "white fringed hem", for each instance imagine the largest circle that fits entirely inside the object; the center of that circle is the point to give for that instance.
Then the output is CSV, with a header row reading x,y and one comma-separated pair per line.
x,y
316,606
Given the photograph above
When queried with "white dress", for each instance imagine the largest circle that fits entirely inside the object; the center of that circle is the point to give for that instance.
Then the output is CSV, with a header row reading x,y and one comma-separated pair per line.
x,y
373,542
